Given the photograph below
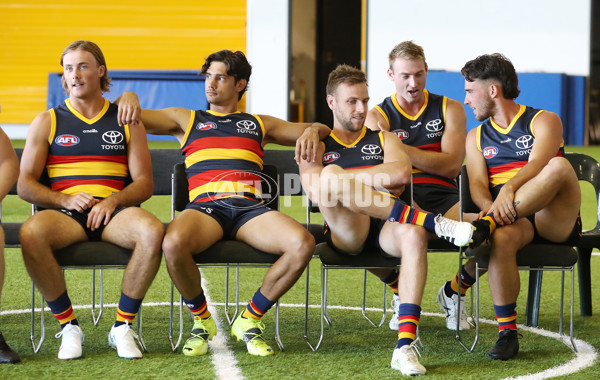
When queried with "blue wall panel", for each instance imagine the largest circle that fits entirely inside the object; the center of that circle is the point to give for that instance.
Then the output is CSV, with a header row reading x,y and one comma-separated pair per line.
x,y
559,93
155,89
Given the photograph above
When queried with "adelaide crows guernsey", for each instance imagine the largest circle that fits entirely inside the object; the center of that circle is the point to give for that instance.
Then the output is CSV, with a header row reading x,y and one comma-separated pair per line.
x,y
423,131
506,151
87,155
223,155
365,152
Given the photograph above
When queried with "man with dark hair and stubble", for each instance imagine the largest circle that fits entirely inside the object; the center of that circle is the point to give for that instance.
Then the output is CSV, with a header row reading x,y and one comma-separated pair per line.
x,y
223,149
355,181
526,191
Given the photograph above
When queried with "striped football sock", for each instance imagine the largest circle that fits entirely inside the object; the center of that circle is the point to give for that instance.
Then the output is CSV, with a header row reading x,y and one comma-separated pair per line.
x,y
258,306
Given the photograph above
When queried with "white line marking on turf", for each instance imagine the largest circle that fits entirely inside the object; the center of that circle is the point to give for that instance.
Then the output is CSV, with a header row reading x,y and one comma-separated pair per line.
x,y
223,359
584,358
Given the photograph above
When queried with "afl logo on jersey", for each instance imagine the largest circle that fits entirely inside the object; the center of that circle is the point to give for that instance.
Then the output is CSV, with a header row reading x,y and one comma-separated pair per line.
x,y
67,140
402,134
206,126
490,152
329,157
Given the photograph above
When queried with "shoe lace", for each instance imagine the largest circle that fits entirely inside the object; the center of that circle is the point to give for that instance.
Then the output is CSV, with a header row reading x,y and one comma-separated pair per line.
x,y
414,350
199,331
128,331
255,332
446,226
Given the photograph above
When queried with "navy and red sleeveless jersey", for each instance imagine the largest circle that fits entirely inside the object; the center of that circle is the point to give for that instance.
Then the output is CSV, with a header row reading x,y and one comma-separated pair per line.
x,y
423,130
506,151
87,155
223,155
365,152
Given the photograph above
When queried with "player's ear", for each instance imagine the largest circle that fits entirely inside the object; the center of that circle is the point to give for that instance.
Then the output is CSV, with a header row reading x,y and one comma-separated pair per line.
x,y
331,101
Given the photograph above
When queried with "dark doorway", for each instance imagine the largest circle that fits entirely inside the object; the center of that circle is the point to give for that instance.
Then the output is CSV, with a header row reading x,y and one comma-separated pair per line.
x,y
594,115
338,41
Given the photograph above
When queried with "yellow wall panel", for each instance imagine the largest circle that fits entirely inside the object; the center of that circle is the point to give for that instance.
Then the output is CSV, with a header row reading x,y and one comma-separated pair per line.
x,y
134,35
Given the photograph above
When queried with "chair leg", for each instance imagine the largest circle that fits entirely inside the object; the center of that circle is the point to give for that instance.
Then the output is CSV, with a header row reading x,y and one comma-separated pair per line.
x,y
364,303
37,346
532,310
572,310
96,319
585,281
176,344
312,347
474,318
277,336
140,339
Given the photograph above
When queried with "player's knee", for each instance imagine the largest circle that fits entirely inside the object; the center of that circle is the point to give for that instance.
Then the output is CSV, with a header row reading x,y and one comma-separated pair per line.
x,y
28,235
506,241
559,167
173,246
302,244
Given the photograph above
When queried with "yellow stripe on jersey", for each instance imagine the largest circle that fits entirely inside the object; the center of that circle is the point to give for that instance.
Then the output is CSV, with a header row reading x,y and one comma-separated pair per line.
x,y
97,190
384,116
85,119
262,125
225,187
444,107
222,154
52,126
500,178
188,128
478,138
84,168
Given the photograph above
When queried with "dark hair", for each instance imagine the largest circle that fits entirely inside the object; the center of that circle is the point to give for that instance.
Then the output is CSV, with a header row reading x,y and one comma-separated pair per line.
x,y
236,63
344,74
494,66
93,49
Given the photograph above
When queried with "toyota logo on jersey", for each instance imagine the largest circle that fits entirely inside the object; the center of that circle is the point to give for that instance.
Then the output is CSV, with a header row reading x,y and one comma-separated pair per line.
x,y
206,126
524,142
329,157
490,152
112,137
402,134
67,140
434,125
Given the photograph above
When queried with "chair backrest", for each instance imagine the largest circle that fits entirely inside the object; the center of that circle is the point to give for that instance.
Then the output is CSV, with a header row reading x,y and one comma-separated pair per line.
x,y
587,169
467,204
180,192
162,166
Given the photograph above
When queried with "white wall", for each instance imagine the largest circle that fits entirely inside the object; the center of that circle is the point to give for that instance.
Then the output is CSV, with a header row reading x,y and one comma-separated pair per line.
x,y
537,36
268,52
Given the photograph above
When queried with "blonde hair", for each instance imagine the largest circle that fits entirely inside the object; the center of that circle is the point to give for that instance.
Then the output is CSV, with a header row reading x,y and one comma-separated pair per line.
x,y
94,50
407,50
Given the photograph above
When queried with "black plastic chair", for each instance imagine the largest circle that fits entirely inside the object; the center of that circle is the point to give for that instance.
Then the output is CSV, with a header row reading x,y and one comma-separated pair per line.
x,y
587,169
534,258
225,253
103,255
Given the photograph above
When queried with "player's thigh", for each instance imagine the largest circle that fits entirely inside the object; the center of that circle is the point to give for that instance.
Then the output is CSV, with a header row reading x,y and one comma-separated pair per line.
x,y
53,228
397,239
194,230
131,226
274,232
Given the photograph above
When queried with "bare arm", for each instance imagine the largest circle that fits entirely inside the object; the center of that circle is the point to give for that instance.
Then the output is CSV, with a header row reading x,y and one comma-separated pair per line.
x,y
547,128
448,162
376,121
305,136
9,165
310,172
169,121
33,163
478,176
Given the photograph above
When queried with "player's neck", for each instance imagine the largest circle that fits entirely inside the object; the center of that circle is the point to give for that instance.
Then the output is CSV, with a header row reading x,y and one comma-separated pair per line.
x,y
88,107
346,136
412,108
506,110
224,108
